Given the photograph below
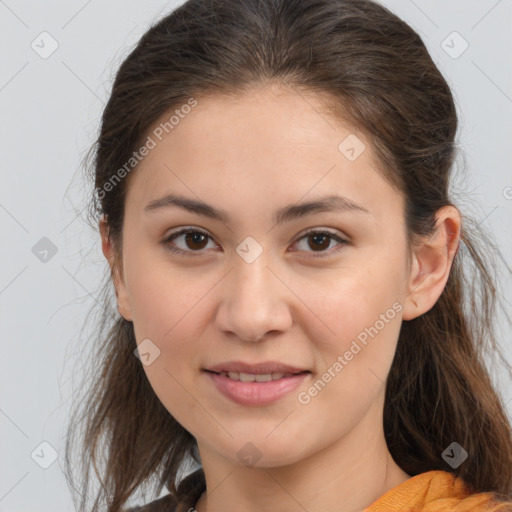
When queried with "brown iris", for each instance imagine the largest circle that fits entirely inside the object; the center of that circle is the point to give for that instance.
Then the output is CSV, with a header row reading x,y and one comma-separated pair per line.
x,y
322,236
195,237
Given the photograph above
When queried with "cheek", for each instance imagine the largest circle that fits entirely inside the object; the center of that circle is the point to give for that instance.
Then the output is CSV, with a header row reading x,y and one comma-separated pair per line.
x,y
169,309
356,311
355,322
163,297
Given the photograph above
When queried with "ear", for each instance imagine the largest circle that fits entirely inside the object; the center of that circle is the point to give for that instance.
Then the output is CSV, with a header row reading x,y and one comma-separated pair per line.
x,y
432,259
115,270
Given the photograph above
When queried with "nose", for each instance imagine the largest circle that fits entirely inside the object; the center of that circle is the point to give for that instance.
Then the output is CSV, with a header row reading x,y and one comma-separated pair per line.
x,y
254,301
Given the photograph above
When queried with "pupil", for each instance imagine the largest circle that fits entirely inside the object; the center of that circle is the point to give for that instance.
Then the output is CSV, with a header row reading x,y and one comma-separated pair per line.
x,y
324,237
194,238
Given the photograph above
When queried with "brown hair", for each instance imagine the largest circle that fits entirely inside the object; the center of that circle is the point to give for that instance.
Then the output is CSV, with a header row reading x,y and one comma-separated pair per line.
x,y
378,74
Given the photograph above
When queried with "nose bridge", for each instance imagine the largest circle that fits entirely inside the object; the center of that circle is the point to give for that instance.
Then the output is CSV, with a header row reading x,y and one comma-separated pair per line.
x,y
253,301
252,277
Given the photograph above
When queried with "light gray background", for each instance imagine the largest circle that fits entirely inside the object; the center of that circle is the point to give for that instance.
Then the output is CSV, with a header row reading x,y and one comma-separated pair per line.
x,y
51,110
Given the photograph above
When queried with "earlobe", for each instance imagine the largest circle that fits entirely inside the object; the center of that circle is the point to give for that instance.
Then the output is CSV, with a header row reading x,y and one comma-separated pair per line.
x,y
118,281
432,262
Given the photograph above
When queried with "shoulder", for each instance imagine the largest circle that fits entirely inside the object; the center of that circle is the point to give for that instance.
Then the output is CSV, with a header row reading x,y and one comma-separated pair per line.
x,y
450,492
190,489
480,502
164,504
437,491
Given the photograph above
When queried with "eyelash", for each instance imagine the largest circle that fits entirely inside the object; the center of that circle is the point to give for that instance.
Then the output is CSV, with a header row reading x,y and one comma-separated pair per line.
x,y
323,254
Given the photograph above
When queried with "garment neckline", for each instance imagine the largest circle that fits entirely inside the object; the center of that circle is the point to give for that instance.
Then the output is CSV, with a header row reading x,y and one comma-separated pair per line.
x,y
397,496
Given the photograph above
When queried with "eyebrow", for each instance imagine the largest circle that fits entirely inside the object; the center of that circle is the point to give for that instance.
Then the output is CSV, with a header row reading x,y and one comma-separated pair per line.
x,y
331,203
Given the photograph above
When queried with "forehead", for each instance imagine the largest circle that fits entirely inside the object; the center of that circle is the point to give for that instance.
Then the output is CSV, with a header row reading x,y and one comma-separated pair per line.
x,y
270,145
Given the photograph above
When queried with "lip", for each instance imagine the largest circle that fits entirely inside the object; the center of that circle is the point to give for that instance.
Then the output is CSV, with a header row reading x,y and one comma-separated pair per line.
x,y
256,393
255,368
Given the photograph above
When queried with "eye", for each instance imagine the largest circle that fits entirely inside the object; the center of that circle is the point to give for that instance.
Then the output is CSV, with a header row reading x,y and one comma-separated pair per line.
x,y
195,240
320,240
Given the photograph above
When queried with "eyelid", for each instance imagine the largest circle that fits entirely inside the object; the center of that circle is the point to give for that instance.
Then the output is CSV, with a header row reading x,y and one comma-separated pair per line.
x,y
342,240
320,230
167,239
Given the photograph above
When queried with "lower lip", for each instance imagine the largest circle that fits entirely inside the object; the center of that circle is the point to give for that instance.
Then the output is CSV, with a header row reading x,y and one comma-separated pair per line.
x,y
256,393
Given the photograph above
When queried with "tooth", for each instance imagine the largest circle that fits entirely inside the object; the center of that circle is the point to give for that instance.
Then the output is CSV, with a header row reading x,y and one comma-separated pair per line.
x,y
247,377
250,377
264,377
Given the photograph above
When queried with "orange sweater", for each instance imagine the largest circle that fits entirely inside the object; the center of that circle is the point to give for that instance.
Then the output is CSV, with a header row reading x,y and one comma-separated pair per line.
x,y
435,491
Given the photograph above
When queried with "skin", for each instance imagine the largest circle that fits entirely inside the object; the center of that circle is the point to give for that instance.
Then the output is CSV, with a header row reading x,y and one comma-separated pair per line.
x,y
250,156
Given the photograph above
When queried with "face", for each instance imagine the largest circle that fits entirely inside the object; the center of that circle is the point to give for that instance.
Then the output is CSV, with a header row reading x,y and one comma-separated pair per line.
x,y
319,290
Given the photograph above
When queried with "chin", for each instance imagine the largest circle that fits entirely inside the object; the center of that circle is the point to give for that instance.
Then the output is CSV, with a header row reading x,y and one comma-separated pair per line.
x,y
260,450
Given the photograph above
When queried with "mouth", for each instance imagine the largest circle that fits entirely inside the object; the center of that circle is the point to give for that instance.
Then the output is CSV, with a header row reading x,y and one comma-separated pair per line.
x,y
255,372
257,377
255,388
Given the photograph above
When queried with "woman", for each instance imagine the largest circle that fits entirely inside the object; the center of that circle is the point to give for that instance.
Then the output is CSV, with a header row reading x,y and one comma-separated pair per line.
x,y
272,178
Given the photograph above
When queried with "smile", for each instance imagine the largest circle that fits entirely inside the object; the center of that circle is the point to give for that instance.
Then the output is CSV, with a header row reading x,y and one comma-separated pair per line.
x,y
250,377
255,389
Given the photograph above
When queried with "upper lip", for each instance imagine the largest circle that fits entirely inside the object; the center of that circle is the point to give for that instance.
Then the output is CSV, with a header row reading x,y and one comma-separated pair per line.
x,y
255,368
